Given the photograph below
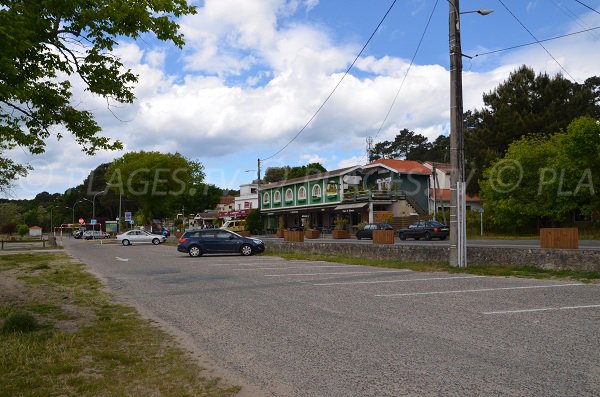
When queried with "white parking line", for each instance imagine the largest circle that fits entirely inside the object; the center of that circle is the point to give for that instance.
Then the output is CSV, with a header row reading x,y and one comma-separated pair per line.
x,y
481,290
543,309
292,267
337,273
404,280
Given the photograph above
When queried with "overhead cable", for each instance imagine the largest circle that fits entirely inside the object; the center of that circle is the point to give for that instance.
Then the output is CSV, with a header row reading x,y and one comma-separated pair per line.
x,y
334,88
537,41
412,61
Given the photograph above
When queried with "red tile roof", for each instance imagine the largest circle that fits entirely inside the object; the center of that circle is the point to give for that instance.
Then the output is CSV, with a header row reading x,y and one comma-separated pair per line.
x,y
405,166
444,195
227,200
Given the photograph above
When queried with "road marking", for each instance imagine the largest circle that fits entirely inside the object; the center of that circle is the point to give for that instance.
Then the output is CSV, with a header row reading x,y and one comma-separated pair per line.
x,y
292,267
398,281
122,259
337,273
543,309
481,290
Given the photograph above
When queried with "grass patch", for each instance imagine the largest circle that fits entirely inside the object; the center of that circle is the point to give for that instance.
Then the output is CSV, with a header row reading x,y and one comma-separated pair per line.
x,y
487,270
83,344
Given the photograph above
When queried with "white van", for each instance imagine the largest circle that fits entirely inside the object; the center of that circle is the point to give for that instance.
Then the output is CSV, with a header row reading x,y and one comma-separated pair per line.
x,y
234,225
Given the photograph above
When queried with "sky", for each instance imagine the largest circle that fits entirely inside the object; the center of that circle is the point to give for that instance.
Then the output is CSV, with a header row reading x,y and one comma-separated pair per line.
x,y
253,73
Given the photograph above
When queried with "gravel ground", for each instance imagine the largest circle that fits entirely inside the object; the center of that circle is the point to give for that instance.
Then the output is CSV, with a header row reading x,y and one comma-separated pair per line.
x,y
300,328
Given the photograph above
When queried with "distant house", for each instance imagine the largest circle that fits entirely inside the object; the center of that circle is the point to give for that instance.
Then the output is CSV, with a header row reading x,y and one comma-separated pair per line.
x,y
439,195
35,231
248,198
226,204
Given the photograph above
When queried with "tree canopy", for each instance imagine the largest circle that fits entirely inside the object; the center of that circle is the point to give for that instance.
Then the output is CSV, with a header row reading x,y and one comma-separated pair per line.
x,y
547,179
525,104
277,174
45,44
409,145
154,179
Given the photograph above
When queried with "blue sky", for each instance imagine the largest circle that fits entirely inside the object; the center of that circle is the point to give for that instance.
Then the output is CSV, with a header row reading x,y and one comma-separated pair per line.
x,y
254,72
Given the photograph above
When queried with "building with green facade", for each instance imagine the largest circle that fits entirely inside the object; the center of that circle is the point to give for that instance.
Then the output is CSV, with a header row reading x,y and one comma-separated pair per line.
x,y
379,190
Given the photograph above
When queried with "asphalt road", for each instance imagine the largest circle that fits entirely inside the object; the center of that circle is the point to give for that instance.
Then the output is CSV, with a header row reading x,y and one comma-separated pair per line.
x,y
301,328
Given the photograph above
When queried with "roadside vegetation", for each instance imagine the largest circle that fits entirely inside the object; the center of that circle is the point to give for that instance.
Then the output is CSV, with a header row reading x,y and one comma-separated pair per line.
x,y
487,270
62,335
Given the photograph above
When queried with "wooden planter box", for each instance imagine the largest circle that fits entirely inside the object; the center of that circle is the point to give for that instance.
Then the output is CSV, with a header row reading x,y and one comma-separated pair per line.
x,y
312,233
383,236
244,233
560,237
294,236
339,234
280,233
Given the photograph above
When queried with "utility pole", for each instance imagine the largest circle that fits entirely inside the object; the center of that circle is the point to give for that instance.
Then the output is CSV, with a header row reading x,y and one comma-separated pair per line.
x,y
369,148
258,170
458,246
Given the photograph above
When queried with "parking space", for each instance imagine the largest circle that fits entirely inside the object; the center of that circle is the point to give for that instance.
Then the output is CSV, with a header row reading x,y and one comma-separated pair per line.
x,y
322,328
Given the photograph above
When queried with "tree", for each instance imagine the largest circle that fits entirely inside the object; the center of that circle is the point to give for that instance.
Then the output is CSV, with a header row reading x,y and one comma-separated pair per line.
x,y
22,230
525,104
45,45
546,179
154,180
278,174
406,145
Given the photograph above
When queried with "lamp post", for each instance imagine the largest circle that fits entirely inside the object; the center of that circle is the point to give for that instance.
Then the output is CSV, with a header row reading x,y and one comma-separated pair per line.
x,y
73,217
458,235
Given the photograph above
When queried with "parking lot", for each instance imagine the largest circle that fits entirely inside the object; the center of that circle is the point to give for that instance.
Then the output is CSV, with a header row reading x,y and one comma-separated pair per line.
x,y
304,328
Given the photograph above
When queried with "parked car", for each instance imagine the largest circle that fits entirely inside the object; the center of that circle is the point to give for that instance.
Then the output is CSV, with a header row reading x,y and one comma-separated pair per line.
x,y
94,234
424,229
218,241
78,234
140,236
235,225
163,232
367,231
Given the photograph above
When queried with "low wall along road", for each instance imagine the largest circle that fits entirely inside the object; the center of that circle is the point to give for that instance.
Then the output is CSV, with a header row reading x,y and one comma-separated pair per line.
x,y
557,259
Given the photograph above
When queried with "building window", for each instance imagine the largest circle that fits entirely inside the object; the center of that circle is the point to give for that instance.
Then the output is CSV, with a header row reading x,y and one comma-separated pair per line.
x,y
289,195
253,190
302,193
316,191
266,198
277,197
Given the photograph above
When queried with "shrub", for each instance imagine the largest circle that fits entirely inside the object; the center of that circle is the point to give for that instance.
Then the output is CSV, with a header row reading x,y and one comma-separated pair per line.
x,y
22,230
20,322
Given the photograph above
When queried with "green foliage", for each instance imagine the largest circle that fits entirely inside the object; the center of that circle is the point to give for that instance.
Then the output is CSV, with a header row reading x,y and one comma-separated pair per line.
x,y
524,105
154,180
20,322
412,146
546,178
278,174
22,230
46,45
253,223
340,222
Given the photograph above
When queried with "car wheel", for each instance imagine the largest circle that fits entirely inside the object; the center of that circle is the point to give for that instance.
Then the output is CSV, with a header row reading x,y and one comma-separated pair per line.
x,y
195,251
125,242
358,236
427,236
155,241
402,236
246,250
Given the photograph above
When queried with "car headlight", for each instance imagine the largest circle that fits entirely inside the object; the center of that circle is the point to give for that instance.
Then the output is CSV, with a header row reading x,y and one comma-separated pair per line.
x,y
257,241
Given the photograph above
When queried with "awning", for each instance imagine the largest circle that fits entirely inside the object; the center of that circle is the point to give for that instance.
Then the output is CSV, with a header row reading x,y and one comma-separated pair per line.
x,y
350,207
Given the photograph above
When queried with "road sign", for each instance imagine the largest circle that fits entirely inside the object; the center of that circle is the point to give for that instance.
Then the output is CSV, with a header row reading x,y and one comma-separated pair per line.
x,y
81,221
93,221
131,222
127,216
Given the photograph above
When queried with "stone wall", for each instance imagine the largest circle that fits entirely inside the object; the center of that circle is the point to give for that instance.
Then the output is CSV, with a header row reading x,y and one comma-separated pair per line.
x,y
557,259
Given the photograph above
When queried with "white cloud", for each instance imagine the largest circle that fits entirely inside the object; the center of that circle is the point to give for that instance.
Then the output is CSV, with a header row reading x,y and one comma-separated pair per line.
x,y
204,113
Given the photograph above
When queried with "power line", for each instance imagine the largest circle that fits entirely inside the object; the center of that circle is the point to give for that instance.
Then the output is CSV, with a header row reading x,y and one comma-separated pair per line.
x,y
406,73
587,6
536,40
334,88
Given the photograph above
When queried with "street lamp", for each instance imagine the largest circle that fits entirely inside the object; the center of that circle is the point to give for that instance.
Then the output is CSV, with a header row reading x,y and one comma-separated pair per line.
x,y
458,235
73,218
